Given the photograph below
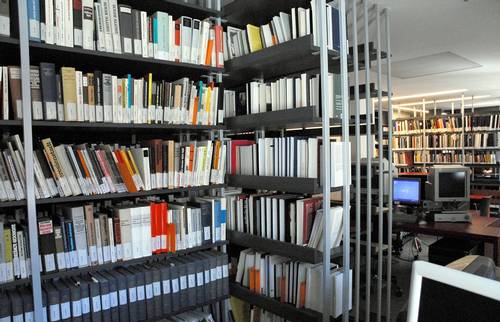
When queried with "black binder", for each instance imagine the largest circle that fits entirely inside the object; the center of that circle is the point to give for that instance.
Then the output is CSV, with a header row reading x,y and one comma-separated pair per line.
x,y
189,263
174,287
131,293
104,291
94,299
200,278
166,289
141,292
27,297
113,296
53,306
83,286
16,304
148,285
76,301
183,290
121,286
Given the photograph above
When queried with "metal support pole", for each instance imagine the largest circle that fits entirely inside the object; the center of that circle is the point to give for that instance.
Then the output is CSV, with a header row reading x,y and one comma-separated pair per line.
x,y
357,276
424,154
462,110
389,109
368,164
36,282
380,169
346,290
323,57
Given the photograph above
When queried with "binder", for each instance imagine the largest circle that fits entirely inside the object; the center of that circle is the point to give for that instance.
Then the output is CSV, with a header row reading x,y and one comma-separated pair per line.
x,y
141,292
207,283
121,287
190,270
113,296
16,304
148,280
54,313
182,278
76,303
104,295
157,294
213,274
166,292
94,299
131,293
27,298
200,278
174,286
64,300
218,267
84,297
5,311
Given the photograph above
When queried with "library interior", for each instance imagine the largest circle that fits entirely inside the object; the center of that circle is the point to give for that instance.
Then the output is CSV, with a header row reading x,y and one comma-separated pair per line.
x,y
249,160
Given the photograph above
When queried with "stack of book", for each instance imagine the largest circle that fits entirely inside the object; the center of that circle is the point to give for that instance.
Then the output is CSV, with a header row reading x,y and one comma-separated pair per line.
x,y
71,95
284,217
298,23
137,292
105,25
289,281
288,93
15,260
81,236
285,157
88,169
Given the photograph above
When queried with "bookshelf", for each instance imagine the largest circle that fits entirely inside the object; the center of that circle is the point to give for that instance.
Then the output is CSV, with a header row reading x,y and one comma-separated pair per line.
x,y
18,50
285,184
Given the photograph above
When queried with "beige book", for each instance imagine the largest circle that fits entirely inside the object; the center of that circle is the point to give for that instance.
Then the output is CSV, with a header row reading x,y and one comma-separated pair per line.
x,y
68,76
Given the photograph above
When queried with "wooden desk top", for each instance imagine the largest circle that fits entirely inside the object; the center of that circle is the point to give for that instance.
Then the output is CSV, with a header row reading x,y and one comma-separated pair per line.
x,y
478,228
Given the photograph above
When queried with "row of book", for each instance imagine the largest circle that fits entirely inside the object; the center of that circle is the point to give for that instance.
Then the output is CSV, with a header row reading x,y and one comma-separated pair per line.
x,y
443,140
285,217
288,93
88,169
126,294
81,236
286,157
106,26
409,158
405,142
71,95
289,281
449,124
284,27
481,140
15,259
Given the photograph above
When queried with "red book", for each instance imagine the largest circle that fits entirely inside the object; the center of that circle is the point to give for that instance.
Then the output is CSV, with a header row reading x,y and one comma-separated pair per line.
x,y
163,226
177,40
234,145
311,205
219,49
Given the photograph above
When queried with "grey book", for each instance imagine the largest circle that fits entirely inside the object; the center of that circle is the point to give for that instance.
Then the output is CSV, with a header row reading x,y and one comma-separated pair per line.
x,y
113,296
166,289
183,289
126,26
131,293
212,269
53,302
49,90
136,32
141,291
4,18
94,298
76,301
16,305
200,281
64,300
175,290
157,295
148,280
104,294
27,298
121,286
83,286
219,272
190,278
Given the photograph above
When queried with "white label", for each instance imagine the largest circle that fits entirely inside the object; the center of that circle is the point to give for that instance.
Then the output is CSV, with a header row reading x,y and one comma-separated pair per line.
x,y
61,260
122,294
112,250
93,254
219,272
54,312
127,45
113,299
76,308
132,294
105,301
156,288
175,285
191,280
225,271
96,304
82,257
106,254
50,264
85,305
44,309
28,316
5,319
183,281
140,293
119,252
73,257
18,318
199,279
207,233
65,310
149,291
166,287
213,274
127,251
51,110
207,276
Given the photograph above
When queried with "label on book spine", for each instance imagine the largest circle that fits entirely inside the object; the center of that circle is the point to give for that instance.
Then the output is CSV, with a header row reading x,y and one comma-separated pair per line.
x,y
85,305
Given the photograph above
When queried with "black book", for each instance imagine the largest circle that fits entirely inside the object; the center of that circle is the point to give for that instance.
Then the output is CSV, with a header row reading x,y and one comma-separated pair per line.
x,y
206,220
16,304
60,102
121,287
174,287
131,293
166,289
148,280
136,32
200,280
83,286
53,302
47,244
64,300
77,24
113,296
157,295
98,96
183,282
49,90
140,284
104,294
125,13
76,301
189,263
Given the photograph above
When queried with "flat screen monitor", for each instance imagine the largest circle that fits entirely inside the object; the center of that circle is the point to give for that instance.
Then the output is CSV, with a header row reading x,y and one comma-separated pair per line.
x,y
406,190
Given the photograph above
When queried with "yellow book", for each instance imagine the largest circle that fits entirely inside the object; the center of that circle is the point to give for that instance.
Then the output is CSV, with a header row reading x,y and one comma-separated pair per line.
x,y
207,105
9,268
68,76
254,40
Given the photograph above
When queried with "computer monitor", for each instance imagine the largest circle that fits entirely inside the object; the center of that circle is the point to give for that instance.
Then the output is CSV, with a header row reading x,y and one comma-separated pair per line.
x,y
448,183
406,190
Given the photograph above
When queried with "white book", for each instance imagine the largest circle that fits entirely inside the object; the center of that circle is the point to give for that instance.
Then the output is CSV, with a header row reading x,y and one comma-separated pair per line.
x,y
115,26
98,239
68,171
294,23
106,15
116,104
126,232
87,24
186,33
80,115
329,27
4,71
279,29
146,230
308,21
68,23
195,41
76,214
313,20
267,36
59,22
285,26
289,93
301,22
49,22
99,25
144,34
205,33
111,238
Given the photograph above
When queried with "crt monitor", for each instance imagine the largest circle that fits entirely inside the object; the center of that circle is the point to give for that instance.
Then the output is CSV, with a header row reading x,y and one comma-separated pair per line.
x,y
449,183
406,190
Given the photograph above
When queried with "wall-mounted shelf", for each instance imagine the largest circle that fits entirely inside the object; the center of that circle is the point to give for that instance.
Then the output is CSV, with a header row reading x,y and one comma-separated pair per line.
x,y
286,184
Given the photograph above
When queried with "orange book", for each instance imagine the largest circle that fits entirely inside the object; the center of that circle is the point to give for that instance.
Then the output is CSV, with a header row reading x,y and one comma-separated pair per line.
x,y
257,281
282,289
251,279
191,157
163,226
124,172
130,168
302,294
154,226
208,60
84,165
172,247
195,111
216,156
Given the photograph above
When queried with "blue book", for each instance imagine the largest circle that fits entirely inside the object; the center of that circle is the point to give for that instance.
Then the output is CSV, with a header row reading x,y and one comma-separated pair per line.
x,y
336,28
34,20
217,219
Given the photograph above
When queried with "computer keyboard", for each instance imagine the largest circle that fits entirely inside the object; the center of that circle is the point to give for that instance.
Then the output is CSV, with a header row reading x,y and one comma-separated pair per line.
x,y
496,224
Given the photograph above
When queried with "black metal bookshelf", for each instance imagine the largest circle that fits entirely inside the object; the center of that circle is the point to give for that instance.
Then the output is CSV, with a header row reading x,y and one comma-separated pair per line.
x,y
109,196
286,310
285,184
292,251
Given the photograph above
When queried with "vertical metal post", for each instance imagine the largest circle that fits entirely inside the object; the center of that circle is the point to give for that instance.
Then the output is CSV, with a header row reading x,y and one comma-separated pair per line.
x,y
36,282
380,169
346,290
389,212
368,162
323,57
462,110
425,145
357,255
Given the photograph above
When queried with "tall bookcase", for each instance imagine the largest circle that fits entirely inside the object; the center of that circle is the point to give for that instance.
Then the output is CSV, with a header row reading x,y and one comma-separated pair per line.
x,y
32,53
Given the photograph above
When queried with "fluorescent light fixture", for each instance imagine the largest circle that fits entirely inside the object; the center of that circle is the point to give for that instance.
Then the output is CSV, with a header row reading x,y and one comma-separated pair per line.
x,y
448,100
423,95
402,108
484,104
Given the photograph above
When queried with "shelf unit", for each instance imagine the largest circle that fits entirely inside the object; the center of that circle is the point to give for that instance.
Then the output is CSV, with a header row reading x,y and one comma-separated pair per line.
x,y
32,53
287,184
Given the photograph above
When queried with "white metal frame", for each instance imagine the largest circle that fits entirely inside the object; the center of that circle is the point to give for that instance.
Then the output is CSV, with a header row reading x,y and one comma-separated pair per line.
x,y
466,281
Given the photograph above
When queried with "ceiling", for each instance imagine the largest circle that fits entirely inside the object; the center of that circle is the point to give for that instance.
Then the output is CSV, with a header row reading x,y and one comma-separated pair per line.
x,y
469,29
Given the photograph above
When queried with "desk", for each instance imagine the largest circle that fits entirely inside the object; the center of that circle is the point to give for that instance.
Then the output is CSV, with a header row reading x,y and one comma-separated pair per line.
x,y
478,229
